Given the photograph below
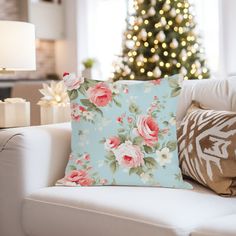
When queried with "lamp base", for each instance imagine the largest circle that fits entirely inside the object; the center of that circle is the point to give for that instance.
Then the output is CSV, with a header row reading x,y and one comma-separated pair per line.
x,y
4,71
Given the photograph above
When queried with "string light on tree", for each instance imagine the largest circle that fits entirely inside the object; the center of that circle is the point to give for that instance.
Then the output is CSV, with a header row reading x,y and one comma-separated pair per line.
x,y
161,40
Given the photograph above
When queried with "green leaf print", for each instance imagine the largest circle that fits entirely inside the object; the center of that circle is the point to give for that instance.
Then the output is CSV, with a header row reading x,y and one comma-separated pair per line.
x,y
172,145
150,162
73,94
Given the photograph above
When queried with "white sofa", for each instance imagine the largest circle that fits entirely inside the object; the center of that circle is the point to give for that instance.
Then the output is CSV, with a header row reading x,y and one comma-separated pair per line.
x,y
32,159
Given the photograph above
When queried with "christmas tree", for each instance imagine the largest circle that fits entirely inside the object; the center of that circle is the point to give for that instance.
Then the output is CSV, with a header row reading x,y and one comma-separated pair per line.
x,y
160,41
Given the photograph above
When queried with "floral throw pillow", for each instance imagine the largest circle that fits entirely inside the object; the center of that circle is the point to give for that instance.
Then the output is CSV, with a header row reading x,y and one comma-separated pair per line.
x,y
123,133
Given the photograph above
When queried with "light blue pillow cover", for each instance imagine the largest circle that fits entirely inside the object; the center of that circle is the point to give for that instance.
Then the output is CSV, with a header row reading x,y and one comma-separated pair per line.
x,y
123,133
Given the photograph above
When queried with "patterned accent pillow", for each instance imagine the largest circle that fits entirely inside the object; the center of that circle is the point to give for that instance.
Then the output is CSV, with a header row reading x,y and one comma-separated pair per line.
x,y
123,134
207,148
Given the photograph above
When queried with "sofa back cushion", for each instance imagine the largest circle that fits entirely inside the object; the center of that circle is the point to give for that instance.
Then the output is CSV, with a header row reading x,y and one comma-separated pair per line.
x,y
212,93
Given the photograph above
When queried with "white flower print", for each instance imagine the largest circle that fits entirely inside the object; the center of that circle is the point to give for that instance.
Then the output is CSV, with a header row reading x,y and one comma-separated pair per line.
x,y
164,156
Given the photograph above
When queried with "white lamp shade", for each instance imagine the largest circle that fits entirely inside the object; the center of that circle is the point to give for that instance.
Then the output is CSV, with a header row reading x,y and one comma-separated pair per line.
x,y
17,46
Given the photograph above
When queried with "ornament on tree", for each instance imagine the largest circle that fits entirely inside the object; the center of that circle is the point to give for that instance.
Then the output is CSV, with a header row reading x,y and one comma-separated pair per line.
x,y
197,63
172,12
130,44
174,44
139,21
179,18
140,1
154,58
183,71
151,11
166,7
161,36
143,34
157,73
153,2
163,21
127,70
140,58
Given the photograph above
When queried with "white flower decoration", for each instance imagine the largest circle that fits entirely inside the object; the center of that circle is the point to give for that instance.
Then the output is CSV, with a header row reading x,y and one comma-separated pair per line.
x,y
54,94
164,156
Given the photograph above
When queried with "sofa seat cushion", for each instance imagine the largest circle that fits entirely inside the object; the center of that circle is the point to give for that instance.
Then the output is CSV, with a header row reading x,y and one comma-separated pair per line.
x,y
225,225
122,211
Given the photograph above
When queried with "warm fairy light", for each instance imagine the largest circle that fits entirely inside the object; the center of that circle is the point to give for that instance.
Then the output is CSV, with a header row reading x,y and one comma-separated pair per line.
x,y
136,27
149,34
161,12
157,25
177,11
173,55
190,17
135,38
142,70
131,59
185,16
170,22
161,63
138,44
129,36
185,77
150,74
204,70
185,10
186,5
189,54
146,22
146,44
167,27
183,43
134,53
129,54
165,76
178,65
153,50
145,59
187,24
181,30
155,41
167,65
165,53
176,28
143,12
132,76
139,63
164,45
179,4
200,77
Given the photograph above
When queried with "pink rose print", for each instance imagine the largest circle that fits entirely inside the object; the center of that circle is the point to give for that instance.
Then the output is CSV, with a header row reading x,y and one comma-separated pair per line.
x,y
129,155
119,119
80,177
86,181
148,129
86,157
100,94
71,81
79,162
130,119
112,143
103,181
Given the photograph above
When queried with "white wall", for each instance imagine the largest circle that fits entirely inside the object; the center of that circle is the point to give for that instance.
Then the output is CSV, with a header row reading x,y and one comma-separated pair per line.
x,y
228,36
66,50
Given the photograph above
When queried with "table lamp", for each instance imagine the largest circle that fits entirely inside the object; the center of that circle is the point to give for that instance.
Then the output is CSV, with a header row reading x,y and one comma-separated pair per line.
x,y
17,46
17,53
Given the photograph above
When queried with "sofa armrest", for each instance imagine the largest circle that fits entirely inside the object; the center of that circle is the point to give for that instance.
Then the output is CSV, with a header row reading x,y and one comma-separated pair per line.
x,y
30,158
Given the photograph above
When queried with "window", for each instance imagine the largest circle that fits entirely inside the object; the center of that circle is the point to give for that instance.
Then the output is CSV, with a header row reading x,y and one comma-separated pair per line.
x,y
106,24
207,18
